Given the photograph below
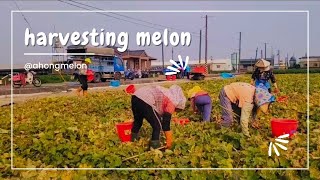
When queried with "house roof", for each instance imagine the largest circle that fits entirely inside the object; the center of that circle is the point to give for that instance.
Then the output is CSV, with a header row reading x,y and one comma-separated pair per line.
x,y
132,53
304,57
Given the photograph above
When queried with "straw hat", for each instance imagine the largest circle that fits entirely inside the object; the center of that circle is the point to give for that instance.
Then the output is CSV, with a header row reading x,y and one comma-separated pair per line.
x,y
263,65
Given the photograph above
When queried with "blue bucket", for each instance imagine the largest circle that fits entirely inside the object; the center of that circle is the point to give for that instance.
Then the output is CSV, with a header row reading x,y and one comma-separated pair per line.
x,y
114,83
226,75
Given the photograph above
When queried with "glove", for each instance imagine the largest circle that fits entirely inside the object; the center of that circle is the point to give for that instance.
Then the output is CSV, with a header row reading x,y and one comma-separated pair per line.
x,y
169,138
276,90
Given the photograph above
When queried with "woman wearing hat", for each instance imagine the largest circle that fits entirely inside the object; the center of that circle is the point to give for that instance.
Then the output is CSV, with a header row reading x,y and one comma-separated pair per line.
x,y
156,104
245,98
263,74
83,78
200,102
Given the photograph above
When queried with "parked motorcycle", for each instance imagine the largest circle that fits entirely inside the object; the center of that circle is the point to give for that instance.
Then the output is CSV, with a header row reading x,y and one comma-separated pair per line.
x,y
21,79
129,75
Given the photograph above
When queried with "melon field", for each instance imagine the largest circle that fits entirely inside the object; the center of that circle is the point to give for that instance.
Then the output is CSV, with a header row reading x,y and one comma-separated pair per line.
x,y
73,132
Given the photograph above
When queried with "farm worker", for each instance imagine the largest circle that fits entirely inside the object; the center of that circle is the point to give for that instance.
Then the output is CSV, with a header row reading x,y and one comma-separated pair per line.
x,y
262,74
83,78
200,102
156,104
245,98
188,69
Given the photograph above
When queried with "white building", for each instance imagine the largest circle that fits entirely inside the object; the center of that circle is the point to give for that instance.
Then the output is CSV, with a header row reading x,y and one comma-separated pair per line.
x,y
220,65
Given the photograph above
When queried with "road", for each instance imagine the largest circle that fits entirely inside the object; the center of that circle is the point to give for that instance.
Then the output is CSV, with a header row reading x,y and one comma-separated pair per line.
x,y
57,90
68,89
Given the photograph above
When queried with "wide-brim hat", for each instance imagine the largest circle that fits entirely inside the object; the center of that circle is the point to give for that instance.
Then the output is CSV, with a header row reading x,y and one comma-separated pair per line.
x,y
263,65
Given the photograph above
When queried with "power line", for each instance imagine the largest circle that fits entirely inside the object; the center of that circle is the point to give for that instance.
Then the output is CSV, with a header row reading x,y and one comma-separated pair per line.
x,y
154,24
106,14
24,17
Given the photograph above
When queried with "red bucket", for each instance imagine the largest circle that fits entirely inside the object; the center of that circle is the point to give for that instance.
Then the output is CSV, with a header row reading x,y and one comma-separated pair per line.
x,y
130,89
283,126
174,77
124,131
168,77
181,121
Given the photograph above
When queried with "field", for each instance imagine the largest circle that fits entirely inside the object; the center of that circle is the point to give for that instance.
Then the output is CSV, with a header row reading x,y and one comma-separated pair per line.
x,y
80,132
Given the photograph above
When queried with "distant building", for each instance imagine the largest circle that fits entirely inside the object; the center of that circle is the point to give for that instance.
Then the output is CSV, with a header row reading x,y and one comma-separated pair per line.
x,y
247,64
292,62
314,62
135,59
220,65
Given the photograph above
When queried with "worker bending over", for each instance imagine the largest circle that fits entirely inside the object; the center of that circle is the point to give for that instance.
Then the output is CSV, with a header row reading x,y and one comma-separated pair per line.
x,y
83,78
156,104
249,99
263,74
200,102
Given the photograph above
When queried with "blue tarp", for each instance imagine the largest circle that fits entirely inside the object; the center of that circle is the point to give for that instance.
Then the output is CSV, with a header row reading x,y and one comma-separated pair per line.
x,y
226,75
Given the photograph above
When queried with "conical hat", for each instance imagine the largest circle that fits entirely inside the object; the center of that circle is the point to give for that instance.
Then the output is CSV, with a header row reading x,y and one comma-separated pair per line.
x,y
262,63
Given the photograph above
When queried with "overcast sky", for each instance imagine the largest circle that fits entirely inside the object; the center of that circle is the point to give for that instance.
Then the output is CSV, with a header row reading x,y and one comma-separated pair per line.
x,y
286,32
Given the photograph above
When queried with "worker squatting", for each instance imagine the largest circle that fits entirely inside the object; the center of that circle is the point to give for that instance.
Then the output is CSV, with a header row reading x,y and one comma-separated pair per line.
x,y
108,38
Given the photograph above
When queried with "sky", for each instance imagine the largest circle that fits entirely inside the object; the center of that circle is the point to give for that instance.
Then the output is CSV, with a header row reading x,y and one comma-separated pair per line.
x,y
286,32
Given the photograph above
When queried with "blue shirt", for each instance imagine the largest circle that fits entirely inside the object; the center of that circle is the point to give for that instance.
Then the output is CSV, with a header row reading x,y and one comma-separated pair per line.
x,y
188,68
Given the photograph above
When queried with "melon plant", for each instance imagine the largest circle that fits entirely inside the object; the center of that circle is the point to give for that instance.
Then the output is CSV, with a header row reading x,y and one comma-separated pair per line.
x,y
72,132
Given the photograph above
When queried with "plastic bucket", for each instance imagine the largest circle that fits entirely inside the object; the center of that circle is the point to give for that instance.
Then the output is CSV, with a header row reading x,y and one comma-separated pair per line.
x,y
283,126
124,131
130,89
168,77
181,121
114,83
173,77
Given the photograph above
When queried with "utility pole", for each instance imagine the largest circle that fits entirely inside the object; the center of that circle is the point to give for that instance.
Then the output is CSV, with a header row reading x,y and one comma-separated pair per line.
x,y
239,51
162,58
172,54
200,46
287,61
265,51
206,48
261,56
236,62
255,59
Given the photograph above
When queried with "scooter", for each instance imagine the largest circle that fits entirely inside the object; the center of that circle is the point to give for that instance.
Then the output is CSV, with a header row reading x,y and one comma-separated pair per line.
x,y
21,79
129,75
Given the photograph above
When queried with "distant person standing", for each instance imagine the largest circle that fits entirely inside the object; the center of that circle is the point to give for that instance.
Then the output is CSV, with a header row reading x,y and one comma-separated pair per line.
x,y
83,77
263,74
188,69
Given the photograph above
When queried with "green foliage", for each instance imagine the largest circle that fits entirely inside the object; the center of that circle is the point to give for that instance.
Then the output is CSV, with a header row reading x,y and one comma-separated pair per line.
x,y
80,132
54,78
293,71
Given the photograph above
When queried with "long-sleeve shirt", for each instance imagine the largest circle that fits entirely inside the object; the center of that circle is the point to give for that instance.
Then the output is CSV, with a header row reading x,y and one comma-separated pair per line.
x,y
240,93
156,99
263,75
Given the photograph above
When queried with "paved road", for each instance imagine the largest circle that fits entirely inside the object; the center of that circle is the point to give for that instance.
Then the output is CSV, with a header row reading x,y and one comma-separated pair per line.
x,y
67,86
67,89
58,87
18,98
